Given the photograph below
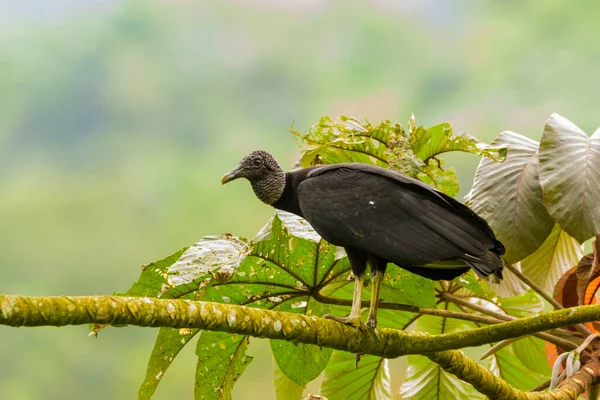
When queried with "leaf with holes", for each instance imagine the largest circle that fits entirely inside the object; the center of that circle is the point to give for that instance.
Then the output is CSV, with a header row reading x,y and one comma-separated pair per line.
x,y
354,140
173,277
221,360
557,254
509,197
169,343
570,177
178,275
344,381
444,180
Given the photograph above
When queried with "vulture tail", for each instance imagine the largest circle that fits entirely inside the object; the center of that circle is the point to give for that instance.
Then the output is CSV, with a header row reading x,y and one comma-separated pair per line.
x,y
490,263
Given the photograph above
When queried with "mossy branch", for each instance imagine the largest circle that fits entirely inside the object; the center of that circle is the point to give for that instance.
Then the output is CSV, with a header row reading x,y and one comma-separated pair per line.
x,y
176,313
495,388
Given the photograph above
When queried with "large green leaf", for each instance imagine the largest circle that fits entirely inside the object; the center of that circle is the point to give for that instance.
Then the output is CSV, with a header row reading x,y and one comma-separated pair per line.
x,y
285,388
298,361
426,380
178,275
570,177
174,277
509,197
469,282
153,280
532,353
169,343
401,286
512,370
221,360
344,381
558,253
370,379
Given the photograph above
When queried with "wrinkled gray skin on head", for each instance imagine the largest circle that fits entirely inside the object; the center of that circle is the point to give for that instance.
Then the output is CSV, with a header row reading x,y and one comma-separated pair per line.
x,y
264,173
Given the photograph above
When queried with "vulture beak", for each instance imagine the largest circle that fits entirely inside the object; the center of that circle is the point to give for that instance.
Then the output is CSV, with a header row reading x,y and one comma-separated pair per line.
x,y
234,174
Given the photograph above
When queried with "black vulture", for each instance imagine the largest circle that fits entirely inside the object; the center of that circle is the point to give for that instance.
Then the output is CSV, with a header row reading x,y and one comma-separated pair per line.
x,y
378,216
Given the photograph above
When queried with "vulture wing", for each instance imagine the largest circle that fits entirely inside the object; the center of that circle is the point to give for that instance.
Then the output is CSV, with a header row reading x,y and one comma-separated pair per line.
x,y
395,217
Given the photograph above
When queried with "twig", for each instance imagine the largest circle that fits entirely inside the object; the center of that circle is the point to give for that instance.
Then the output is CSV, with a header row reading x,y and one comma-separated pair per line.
x,y
557,306
558,341
412,309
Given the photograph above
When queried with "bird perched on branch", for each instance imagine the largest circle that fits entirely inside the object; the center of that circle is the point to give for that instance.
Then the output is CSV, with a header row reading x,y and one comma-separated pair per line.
x,y
378,216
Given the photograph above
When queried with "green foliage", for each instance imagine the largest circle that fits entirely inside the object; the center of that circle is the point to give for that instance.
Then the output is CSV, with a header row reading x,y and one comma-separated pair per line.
x,y
169,343
509,197
542,201
221,360
552,259
570,176
426,380
288,267
345,380
285,388
413,153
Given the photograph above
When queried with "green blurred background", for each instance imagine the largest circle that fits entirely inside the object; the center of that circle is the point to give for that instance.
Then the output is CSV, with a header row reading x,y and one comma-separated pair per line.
x,y
118,118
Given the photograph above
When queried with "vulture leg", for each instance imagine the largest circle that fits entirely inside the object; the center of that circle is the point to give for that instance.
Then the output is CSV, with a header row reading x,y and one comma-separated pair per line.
x,y
354,318
377,270
376,278
358,261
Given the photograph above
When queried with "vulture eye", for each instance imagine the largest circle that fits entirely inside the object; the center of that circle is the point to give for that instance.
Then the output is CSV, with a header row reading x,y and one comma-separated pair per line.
x,y
257,162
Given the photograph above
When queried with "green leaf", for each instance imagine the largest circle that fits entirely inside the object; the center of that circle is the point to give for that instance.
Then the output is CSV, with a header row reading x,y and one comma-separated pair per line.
x,y
178,275
509,197
524,305
385,318
426,380
350,140
169,343
221,360
557,254
401,286
570,177
300,362
285,388
532,353
344,381
507,366
173,277
154,277
470,282
428,143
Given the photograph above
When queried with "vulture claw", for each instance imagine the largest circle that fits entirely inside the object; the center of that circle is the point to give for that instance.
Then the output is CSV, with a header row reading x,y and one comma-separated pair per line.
x,y
349,320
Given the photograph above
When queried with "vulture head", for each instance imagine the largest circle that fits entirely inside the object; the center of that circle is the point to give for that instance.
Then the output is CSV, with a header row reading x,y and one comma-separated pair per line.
x,y
264,173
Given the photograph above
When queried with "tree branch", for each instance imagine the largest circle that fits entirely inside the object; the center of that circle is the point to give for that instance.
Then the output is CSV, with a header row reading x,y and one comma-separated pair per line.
x,y
177,313
557,306
412,309
388,343
484,381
